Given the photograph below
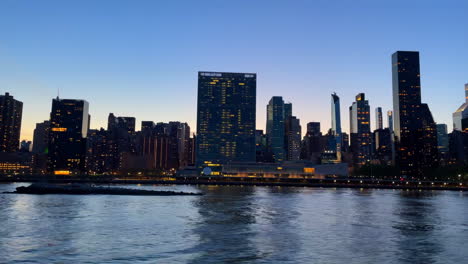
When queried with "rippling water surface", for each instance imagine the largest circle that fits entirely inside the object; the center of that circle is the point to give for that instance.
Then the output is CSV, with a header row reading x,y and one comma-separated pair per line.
x,y
236,225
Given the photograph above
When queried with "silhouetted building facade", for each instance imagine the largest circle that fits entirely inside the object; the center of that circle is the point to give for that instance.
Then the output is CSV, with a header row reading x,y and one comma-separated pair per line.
x,y
261,145
414,127
458,148
312,143
293,138
41,138
345,146
225,117
287,110
100,152
121,140
69,122
147,126
166,147
25,146
383,146
11,112
361,140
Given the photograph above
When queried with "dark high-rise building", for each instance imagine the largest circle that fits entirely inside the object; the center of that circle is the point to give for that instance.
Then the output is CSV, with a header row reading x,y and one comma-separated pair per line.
x,y
99,155
226,117
336,125
287,110
25,146
383,146
69,121
442,138
122,139
121,122
312,143
261,145
191,151
345,147
11,112
458,148
41,137
293,138
167,146
147,126
460,117
275,128
414,127
361,140
179,136
313,128
378,118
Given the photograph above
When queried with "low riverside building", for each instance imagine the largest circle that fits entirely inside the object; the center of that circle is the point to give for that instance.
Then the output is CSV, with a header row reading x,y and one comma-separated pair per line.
x,y
16,163
287,169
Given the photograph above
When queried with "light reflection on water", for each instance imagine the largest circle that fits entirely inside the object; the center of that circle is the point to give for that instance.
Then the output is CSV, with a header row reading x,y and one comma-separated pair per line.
x,y
236,225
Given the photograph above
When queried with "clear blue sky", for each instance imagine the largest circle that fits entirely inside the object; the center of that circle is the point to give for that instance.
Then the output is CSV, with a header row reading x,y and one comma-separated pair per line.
x,y
140,58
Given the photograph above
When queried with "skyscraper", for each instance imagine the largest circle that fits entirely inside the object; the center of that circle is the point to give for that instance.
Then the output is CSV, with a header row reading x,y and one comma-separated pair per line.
x,y
121,122
460,117
147,126
313,128
261,145
378,118
287,110
414,127
383,146
361,140
390,120
11,112
69,121
99,154
293,136
336,124
275,128
442,138
225,117
312,144
41,137
121,134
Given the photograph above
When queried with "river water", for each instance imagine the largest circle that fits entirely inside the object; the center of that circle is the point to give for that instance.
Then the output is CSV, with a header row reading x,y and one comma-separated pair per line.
x,y
236,225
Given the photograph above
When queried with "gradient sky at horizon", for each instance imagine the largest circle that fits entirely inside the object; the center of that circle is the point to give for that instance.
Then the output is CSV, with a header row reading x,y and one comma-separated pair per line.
x,y
141,58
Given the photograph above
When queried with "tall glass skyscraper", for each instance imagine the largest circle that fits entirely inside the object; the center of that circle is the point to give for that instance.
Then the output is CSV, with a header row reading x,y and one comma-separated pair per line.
x,y
225,117
378,118
414,128
336,124
275,128
69,124
390,120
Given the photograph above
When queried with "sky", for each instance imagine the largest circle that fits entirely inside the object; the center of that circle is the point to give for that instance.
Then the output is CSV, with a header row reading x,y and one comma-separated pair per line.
x,y
141,58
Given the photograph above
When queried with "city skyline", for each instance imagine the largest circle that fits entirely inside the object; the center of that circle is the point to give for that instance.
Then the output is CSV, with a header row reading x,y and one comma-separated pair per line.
x,y
303,59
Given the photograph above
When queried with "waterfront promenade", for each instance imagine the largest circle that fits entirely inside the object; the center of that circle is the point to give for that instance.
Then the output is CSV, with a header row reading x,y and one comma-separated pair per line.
x,y
251,181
